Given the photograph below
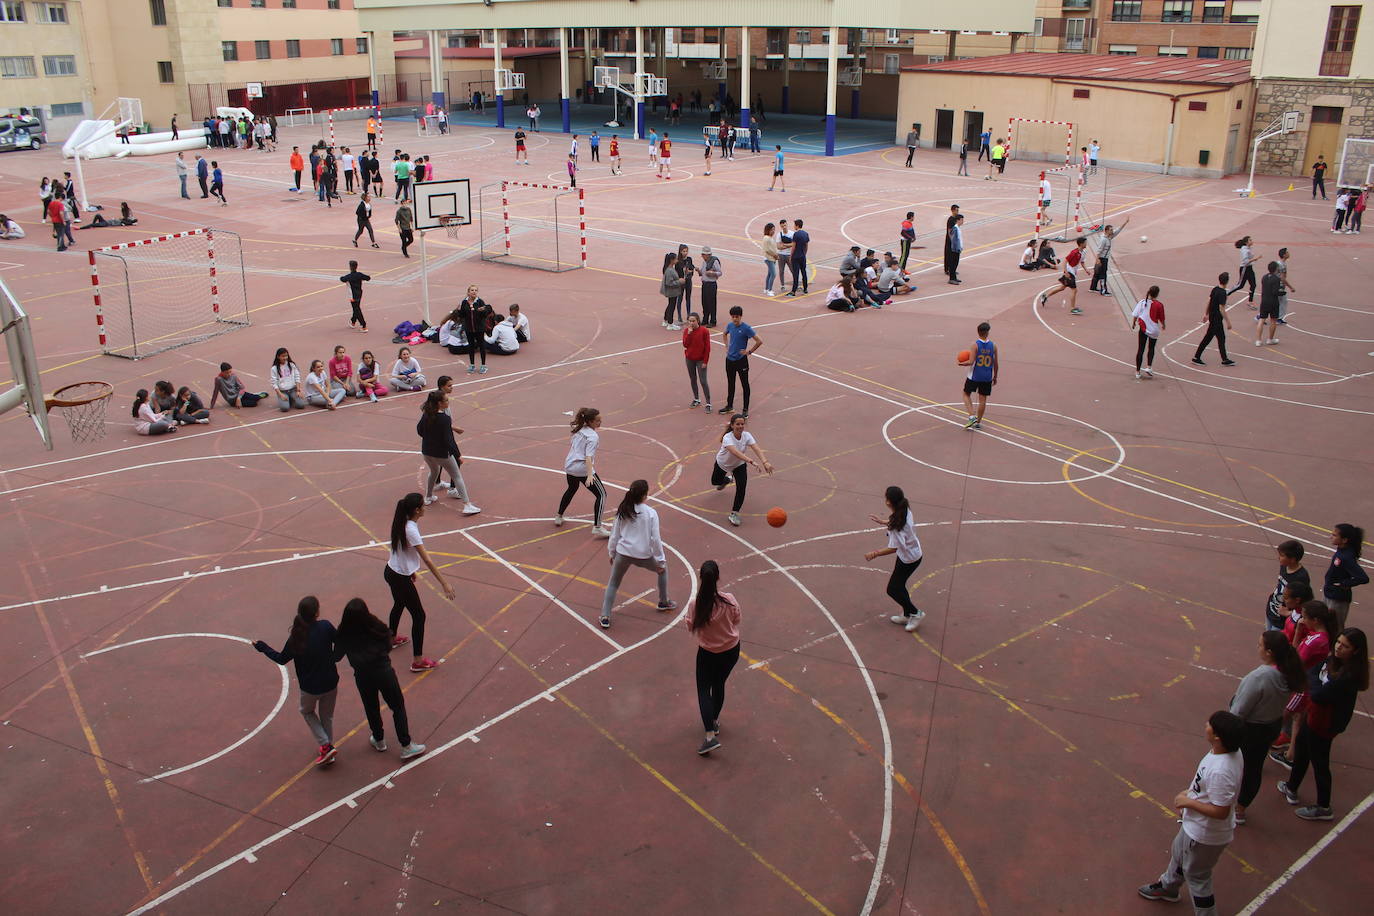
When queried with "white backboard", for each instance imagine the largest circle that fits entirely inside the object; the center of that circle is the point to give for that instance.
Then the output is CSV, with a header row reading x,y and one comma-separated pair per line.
x,y
1290,121
606,77
446,197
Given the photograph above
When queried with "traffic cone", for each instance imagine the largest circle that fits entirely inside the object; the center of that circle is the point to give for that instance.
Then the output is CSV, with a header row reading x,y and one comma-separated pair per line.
x,y
1252,193
1290,186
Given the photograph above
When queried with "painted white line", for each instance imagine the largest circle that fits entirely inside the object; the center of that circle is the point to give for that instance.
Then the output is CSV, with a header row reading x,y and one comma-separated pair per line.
x,y
809,404
629,601
1304,859
248,736
542,590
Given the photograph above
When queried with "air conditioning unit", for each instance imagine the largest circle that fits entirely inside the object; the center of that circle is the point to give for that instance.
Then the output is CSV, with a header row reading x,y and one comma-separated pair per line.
x,y
937,31
1001,33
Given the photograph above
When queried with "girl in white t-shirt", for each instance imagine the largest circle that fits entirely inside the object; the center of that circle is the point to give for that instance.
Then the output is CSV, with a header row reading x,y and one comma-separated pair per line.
x,y
1148,316
407,555
406,374
635,541
1247,269
317,393
901,540
580,467
732,460
286,381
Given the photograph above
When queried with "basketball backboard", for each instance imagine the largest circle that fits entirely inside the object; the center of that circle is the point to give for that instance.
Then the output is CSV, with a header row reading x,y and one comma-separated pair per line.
x,y
1290,121
446,197
27,389
606,77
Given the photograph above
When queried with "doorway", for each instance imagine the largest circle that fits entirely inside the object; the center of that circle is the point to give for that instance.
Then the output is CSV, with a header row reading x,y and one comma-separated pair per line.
x,y
1323,137
973,128
1228,163
944,128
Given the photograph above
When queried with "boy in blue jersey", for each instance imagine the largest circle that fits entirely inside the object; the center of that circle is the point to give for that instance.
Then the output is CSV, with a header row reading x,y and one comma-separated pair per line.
x,y
778,169
981,377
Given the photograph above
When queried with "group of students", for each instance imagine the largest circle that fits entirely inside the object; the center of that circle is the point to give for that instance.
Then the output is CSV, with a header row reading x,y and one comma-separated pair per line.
x,y
862,284
473,328
165,409
1289,709
228,132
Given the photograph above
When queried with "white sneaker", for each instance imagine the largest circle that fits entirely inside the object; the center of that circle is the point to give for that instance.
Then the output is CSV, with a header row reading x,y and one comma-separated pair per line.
x,y
913,623
675,327
899,619
412,750
1272,342
441,485
1137,375
1259,343
454,494
558,521
1149,373
734,519
470,509
599,532
430,500
663,324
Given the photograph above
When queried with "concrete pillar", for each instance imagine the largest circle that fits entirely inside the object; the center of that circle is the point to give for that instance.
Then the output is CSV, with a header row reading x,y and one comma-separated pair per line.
x,y
436,70
500,96
785,105
746,61
563,77
640,132
722,88
832,58
372,68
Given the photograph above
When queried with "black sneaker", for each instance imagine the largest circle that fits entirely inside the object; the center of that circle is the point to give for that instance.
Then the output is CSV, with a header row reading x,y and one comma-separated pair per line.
x,y
1228,362
1198,361
726,409
712,744
1158,891
1277,756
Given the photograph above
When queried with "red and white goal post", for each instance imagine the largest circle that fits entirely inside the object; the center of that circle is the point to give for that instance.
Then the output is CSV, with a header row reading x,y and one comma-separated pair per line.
x,y
1027,150
537,227
168,291
373,112
1074,176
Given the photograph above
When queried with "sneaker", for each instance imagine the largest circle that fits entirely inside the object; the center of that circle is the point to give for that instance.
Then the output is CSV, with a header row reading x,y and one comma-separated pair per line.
x,y
1278,757
453,493
1240,818
708,408
734,519
423,663
1137,374
744,413
398,641
1281,321
1281,741
663,324
481,370
442,485
669,605
1259,343
899,619
1075,311
470,509
1272,342
1199,362
769,293
605,622
1149,373
696,402
709,745
1315,813
913,623
1043,299
430,500
558,521
1288,794
675,327
726,409
600,532
327,755
412,750
471,369
1229,362
378,744
1158,891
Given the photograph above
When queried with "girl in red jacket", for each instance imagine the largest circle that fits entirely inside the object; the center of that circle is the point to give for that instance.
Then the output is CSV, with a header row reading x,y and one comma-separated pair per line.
x,y
696,347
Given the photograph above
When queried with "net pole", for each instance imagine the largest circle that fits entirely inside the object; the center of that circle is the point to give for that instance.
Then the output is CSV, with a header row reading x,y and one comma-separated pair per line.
x,y
1010,146
95,292
505,214
331,127
1039,209
557,237
1068,146
582,222
214,279
1078,204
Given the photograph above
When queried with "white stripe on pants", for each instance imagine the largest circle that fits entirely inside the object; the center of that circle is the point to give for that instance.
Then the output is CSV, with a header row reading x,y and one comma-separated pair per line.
x,y
618,567
450,464
318,711
1191,863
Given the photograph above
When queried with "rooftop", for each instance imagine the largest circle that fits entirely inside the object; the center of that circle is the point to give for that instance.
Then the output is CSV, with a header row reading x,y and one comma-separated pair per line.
x,y
1203,71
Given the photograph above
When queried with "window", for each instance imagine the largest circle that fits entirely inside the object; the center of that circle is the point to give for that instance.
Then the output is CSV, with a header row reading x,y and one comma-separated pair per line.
x,y
1325,114
360,46
158,10
258,4
1082,93
1126,11
164,71
333,4
1214,11
336,46
1340,41
68,109
1038,29
293,47
288,4
230,49
1073,34
1076,4
935,59
59,65
803,36
55,13
11,11
16,67
1178,11
262,50
1208,52
1123,50
1197,106
1166,51
225,2
894,37
687,36
1239,53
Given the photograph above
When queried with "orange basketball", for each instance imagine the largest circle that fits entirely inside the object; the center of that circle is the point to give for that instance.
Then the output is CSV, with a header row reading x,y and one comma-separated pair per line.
x,y
965,357
777,517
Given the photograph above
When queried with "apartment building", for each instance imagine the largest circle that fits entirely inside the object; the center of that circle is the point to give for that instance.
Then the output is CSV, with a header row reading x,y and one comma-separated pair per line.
x,y
1219,29
184,57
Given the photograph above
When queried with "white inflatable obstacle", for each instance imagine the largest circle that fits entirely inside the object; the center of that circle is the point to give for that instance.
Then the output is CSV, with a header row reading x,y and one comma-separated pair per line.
x,y
99,139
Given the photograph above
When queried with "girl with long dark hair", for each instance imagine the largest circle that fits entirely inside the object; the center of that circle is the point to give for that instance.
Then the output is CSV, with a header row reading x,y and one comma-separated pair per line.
x,y
715,623
310,645
1246,275
732,460
440,449
635,541
147,421
286,381
1344,573
402,567
580,467
367,643
901,540
671,290
1259,702
1148,318
1333,691
473,314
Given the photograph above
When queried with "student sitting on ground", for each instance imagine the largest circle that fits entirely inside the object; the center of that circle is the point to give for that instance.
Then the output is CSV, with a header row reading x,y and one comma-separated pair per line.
x,y
521,322
452,335
126,215
341,373
368,381
840,297
1046,257
405,373
147,421
865,284
9,229
317,387
229,386
1030,258
893,281
189,408
164,398
501,340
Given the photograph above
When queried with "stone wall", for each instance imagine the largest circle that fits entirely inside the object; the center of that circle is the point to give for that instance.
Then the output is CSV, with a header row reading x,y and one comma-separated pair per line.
x,y
1283,155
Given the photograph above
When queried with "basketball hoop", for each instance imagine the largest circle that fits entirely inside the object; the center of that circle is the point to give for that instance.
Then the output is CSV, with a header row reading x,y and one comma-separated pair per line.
x,y
451,225
83,407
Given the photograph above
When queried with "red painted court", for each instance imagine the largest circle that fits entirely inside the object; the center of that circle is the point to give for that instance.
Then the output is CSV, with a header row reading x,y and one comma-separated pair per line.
x,y
1097,559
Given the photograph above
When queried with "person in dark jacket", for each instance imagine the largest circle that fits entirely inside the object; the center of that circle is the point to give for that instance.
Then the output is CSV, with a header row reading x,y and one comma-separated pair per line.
x,y
311,646
440,449
1344,573
474,314
367,643
1332,690
364,214
355,280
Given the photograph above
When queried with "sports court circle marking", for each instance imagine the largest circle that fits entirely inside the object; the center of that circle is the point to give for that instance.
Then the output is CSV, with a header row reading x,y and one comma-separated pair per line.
x,y
281,699
1092,475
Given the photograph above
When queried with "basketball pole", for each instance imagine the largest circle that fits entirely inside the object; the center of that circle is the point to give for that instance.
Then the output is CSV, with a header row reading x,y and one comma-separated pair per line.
x,y
424,273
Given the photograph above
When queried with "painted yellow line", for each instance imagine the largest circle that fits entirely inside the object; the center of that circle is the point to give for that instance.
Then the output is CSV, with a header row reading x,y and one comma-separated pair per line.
x,y
1040,626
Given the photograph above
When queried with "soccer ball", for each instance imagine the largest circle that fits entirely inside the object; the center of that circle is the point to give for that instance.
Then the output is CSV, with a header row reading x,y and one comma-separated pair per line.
x,y
1144,238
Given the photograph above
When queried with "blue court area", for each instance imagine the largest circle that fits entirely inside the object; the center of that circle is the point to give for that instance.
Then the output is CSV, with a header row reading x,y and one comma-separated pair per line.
x,y
798,133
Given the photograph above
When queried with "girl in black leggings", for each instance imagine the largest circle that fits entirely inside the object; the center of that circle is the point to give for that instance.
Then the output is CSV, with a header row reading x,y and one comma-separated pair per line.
x,y
715,624
732,461
1247,269
901,540
367,643
580,467
407,555
1333,690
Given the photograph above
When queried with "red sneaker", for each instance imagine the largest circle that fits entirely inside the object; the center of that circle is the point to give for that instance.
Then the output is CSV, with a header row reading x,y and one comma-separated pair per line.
x,y
1280,741
327,755
423,664
398,641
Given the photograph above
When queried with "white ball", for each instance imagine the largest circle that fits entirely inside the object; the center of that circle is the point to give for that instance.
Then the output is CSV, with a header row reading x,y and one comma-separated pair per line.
x,y
1144,238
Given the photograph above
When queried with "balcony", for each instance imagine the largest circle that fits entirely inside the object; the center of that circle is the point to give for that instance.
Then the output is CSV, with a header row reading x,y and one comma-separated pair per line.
x,y
1076,4
1073,44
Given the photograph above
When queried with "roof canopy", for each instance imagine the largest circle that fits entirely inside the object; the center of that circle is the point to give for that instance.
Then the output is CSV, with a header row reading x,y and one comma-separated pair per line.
x,y
1105,67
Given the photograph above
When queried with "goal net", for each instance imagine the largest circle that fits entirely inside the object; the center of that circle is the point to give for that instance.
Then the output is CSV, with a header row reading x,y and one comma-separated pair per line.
x,y
165,292
1357,163
1040,141
529,224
